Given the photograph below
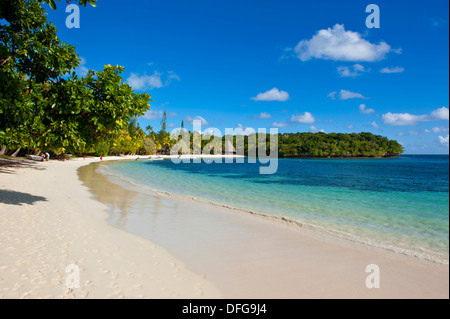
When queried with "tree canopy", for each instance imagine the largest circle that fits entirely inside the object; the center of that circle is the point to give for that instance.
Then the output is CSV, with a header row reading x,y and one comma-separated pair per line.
x,y
337,145
44,104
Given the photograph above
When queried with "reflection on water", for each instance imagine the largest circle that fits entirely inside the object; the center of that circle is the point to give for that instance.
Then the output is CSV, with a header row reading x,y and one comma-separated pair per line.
x,y
223,245
117,198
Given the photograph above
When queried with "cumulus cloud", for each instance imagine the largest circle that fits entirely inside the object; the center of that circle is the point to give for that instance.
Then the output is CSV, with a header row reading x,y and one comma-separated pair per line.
x,y
280,124
272,95
375,125
392,70
411,119
444,140
440,114
150,82
351,71
350,127
190,120
305,118
263,115
346,95
363,109
340,45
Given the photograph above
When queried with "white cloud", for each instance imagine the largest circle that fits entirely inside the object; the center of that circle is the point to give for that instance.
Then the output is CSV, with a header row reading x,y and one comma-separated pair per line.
x,y
280,124
263,115
190,120
392,70
340,45
440,129
351,71
314,129
346,95
145,82
150,82
172,76
402,118
350,127
154,114
440,114
444,140
411,119
305,118
363,109
272,95
375,125
245,130
82,70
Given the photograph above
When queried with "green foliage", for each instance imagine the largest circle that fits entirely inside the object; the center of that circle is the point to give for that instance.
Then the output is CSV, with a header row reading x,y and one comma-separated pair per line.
x,y
306,144
130,139
43,103
336,145
149,146
52,3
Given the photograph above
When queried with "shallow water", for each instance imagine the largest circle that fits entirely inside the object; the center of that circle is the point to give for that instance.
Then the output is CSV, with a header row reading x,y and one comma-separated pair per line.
x,y
400,203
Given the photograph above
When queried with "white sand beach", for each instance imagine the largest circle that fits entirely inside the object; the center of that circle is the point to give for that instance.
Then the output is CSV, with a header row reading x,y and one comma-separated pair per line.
x,y
49,220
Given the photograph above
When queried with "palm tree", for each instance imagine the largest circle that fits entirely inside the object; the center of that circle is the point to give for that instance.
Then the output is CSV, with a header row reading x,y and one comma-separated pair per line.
x,y
149,129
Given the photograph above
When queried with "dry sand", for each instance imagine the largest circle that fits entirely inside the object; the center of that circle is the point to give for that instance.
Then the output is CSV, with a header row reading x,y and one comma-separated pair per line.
x,y
49,220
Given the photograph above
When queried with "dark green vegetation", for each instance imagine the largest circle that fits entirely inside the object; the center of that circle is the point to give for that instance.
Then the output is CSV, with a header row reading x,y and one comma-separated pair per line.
x,y
295,144
337,145
45,105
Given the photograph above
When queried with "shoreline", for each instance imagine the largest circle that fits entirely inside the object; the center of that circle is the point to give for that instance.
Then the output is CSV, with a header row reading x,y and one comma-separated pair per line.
x,y
421,255
211,252
195,213
49,221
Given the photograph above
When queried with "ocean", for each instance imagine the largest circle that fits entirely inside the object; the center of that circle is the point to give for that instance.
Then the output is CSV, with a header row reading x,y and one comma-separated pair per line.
x,y
400,204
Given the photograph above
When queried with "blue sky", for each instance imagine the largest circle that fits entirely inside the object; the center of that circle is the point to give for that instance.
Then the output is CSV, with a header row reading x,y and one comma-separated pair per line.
x,y
297,65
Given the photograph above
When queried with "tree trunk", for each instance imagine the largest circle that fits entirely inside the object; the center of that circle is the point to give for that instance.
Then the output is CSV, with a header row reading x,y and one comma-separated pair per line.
x,y
3,150
16,152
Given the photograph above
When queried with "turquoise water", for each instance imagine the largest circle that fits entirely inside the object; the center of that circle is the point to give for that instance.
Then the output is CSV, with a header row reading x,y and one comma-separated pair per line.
x,y
399,204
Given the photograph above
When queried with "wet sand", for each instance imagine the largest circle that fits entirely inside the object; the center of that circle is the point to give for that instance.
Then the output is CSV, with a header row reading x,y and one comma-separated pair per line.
x,y
249,256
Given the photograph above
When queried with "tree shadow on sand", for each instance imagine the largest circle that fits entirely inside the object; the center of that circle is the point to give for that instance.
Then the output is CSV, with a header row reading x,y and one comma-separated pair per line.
x,y
9,197
9,166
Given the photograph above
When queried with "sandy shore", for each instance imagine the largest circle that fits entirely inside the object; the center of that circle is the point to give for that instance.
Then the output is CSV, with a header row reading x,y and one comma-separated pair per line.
x,y
48,220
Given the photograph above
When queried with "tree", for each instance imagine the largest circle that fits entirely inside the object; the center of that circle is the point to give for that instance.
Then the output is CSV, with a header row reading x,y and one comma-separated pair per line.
x,y
33,60
149,146
163,135
52,3
43,103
